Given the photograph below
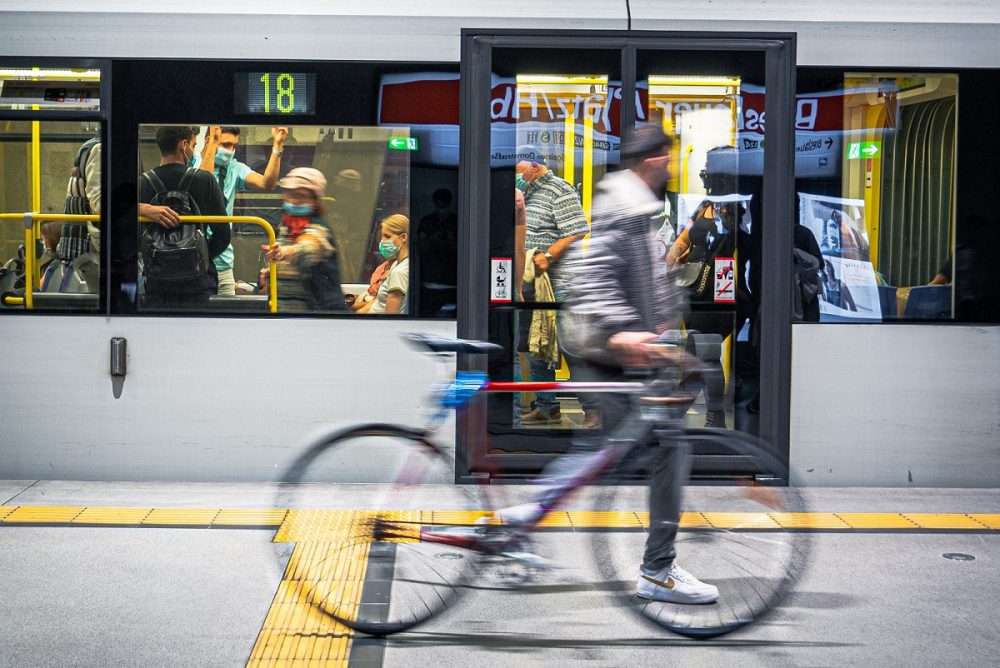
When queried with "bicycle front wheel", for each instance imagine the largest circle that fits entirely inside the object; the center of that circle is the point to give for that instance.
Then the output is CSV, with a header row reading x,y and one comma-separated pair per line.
x,y
361,501
748,539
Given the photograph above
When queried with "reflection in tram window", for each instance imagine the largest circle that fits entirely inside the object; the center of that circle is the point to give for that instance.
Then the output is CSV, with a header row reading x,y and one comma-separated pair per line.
x,y
707,223
50,88
53,170
875,171
367,174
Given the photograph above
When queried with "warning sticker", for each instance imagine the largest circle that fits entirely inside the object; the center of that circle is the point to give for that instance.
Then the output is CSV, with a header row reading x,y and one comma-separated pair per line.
x,y
725,280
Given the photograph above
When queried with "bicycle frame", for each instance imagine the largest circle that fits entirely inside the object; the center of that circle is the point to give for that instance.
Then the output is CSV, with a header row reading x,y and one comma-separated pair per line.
x,y
638,429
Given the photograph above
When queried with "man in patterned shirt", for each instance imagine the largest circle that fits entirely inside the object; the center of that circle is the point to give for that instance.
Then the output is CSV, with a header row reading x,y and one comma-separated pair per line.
x,y
554,220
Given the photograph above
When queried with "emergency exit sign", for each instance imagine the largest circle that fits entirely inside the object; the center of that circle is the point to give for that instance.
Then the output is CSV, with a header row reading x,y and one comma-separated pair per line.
x,y
403,143
863,149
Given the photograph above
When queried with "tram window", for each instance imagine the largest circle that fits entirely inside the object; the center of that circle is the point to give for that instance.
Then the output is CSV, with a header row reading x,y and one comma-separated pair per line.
x,y
49,88
324,191
53,261
875,172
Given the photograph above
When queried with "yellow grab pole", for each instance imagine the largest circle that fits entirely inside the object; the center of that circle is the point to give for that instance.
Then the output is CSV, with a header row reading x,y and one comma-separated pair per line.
x,y
569,150
685,168
588,163
36,159
30,280
272,288
36,166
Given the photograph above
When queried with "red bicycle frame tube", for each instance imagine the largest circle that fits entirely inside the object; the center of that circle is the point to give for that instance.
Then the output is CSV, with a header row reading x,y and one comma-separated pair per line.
x,y
527,386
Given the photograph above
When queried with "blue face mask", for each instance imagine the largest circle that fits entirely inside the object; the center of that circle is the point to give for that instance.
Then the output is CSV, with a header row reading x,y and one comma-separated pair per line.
x,y
297,209
223,156
388,249
519,182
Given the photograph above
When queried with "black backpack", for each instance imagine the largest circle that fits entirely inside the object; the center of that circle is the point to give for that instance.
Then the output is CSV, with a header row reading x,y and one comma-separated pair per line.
x,y
175,261
323,290
806,283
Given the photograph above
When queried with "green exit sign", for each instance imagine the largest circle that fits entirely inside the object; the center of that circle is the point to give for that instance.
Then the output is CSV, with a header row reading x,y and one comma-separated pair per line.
x,y
403,143
864,149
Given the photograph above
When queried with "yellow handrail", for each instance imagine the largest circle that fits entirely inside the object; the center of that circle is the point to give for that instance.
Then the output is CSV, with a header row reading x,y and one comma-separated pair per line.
x,y
686,168
32,222
272,287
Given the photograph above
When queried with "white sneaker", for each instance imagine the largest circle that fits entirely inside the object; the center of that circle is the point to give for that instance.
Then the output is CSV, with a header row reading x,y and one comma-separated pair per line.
x,y
674,585
526,513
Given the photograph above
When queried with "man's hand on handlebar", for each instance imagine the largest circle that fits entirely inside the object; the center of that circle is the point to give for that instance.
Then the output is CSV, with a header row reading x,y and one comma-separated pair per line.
x,y
632,348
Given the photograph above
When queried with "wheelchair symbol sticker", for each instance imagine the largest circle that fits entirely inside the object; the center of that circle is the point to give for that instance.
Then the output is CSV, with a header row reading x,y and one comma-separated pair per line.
x,y
500,284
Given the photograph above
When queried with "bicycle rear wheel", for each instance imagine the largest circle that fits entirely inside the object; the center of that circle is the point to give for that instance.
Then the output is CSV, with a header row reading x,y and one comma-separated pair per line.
x,y
360,500
749,542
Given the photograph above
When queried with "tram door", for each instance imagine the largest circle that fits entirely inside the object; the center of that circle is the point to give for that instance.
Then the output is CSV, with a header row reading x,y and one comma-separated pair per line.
x,y
557,117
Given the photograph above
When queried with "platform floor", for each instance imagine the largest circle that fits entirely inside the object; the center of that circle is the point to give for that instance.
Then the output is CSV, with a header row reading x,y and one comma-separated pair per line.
x,y
190,575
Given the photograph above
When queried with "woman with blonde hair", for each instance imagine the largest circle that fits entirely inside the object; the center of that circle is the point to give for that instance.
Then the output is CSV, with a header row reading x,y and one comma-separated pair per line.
x,y
391,296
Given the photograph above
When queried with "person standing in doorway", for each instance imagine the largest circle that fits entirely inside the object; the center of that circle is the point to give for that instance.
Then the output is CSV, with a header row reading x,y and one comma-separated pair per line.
x,y
554,219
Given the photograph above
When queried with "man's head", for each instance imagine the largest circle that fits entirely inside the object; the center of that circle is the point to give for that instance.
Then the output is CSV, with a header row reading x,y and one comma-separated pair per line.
x,y
176,141
647,153
348,180
721,173
229,139
442,198
527,171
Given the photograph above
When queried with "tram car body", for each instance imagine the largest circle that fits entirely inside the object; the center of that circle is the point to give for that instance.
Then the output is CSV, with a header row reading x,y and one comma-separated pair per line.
x,y
227,394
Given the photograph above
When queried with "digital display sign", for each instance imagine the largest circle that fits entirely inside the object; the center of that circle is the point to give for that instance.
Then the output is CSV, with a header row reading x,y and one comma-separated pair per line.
x,y
275,93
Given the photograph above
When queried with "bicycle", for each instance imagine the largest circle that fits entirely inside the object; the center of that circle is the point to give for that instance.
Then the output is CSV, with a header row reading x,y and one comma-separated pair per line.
x,y
385,571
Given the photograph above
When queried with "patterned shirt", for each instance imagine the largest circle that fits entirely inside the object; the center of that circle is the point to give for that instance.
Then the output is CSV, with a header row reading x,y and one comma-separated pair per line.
x,y
553,211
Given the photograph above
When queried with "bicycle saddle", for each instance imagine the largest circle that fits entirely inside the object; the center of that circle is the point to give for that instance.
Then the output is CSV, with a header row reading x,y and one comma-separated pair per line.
x,y
439,344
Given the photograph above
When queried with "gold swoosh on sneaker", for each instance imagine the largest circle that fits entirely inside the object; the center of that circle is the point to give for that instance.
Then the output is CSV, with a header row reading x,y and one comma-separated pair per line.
x,y
669,584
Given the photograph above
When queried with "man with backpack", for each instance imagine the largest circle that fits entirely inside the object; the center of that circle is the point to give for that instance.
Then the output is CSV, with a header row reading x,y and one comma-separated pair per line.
x,y
177,258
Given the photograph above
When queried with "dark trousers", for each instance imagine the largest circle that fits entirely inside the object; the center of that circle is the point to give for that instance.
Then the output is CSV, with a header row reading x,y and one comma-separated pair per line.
x,y
592,456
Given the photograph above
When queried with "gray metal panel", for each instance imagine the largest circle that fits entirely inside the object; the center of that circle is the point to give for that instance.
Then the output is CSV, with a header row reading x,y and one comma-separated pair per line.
x,y
294,30
891,33
204,399
895,405
851,32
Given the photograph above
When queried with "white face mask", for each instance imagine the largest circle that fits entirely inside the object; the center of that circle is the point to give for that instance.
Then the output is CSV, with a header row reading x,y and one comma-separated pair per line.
x,y
223,156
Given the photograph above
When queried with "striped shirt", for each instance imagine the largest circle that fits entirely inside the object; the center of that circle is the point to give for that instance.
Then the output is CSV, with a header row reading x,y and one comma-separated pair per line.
x,y
553,211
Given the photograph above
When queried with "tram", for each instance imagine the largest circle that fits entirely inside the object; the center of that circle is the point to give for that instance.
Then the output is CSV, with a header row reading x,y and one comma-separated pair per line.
x,y
869,127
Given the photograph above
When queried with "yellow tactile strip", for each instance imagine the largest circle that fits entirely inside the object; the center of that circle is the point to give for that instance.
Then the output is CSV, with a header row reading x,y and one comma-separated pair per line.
x,y
303,525
294,631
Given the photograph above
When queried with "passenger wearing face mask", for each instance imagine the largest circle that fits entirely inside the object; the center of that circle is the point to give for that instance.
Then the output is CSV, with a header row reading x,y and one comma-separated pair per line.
x,y
219,157
391,297
305,251
176,145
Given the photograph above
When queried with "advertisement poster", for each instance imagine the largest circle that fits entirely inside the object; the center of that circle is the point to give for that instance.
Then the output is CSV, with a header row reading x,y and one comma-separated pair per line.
x,y
850,289
428,104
